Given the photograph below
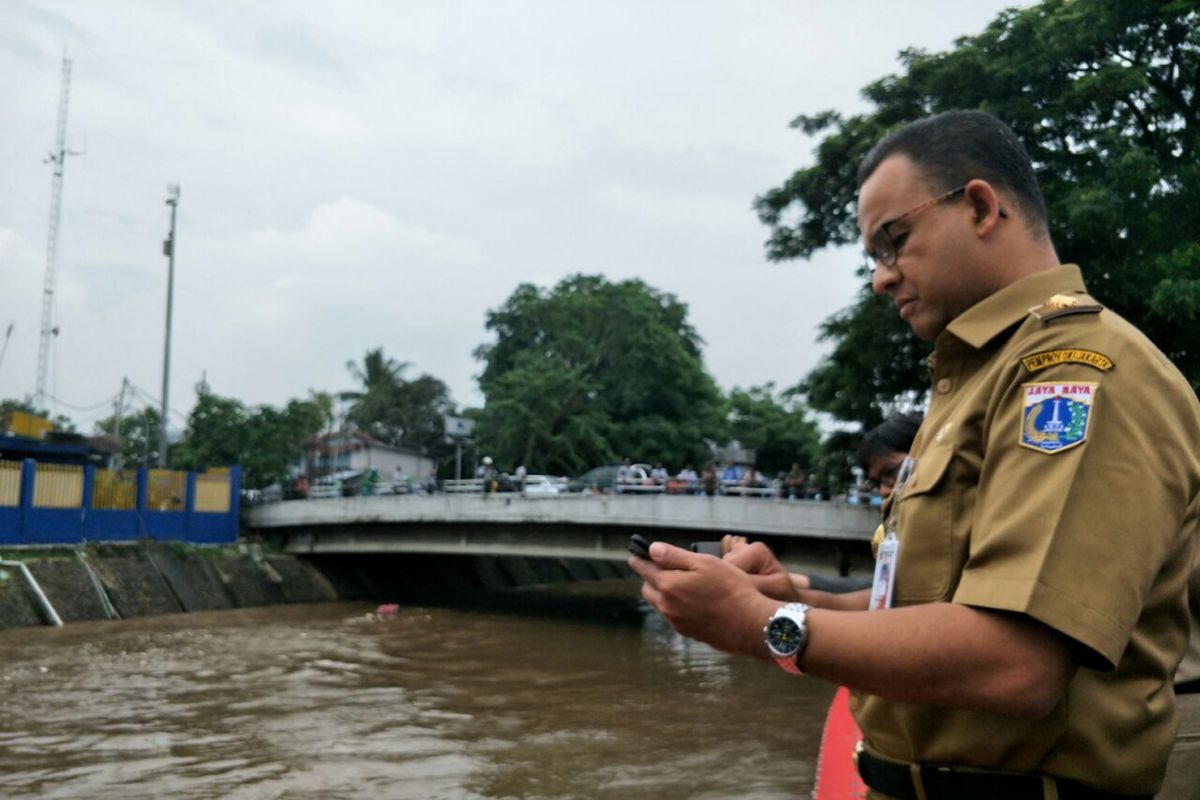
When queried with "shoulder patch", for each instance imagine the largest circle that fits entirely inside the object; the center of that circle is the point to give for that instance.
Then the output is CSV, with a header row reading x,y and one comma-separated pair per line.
x,y
1070,355
1056,416
1061,305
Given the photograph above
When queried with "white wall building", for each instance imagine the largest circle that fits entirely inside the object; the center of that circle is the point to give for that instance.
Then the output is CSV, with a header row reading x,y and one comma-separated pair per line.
x,y
355,450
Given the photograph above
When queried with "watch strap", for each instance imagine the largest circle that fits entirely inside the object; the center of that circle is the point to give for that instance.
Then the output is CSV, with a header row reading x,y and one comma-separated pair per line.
x,y
788,664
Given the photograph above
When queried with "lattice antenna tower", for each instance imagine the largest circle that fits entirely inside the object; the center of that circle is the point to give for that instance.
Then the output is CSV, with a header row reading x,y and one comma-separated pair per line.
x,y
58,158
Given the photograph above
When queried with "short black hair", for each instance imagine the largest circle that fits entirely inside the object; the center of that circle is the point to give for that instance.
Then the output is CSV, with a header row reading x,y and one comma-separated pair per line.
x,y
894,435
954,147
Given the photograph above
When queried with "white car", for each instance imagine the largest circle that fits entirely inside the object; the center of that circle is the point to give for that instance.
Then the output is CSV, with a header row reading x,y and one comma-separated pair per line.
x,y
541,484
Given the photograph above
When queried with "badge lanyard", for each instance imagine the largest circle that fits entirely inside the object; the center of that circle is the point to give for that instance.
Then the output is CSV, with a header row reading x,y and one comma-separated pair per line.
x,y
889,549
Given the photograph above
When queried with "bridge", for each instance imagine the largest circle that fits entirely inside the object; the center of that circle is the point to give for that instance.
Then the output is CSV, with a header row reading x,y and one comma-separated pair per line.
x,y
830,536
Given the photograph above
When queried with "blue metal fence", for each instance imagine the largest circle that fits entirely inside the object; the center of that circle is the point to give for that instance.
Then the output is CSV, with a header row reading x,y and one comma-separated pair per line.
x,y
27,522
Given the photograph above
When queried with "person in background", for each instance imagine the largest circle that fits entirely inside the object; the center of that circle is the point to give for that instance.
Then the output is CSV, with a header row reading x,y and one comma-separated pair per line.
x,y
752,479
519,477
880,454
709,482
659,474
731,473
885,447
625,471
793,482
368,483
486,472
689,477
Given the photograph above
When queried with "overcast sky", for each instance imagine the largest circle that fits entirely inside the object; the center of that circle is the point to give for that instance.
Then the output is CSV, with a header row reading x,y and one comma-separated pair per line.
x,y
357,175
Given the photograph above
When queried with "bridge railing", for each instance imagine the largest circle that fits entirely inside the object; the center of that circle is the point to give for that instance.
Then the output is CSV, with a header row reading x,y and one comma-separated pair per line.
x,y
729,488
738,489
463,486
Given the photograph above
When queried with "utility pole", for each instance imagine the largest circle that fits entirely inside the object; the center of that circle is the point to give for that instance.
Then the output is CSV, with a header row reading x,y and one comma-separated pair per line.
x,y
119,412
58,157
169,252
7,336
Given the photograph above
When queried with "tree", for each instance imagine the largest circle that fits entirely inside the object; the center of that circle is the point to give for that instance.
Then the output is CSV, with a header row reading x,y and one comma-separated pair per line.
x,y
216,434
1104,95
372,405
394,409
273,439
138,433
777,427
592,371
264,440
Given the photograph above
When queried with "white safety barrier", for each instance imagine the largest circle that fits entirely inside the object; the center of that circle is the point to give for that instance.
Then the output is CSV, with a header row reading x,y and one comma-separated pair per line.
x,y
43,601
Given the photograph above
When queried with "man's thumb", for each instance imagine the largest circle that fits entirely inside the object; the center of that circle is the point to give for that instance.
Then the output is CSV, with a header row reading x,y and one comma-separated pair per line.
x,y
668,556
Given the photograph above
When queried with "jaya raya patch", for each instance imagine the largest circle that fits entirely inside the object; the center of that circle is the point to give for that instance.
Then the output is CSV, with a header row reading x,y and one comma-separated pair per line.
x,y
1056,416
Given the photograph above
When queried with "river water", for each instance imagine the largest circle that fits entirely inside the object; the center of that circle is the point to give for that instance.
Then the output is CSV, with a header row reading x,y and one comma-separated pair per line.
x,y
326,701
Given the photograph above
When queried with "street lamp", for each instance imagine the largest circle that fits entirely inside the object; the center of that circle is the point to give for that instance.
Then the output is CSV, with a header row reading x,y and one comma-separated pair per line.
x,y
169,252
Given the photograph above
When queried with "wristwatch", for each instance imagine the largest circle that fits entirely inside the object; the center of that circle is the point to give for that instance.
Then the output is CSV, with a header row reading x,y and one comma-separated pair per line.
x,y
787,634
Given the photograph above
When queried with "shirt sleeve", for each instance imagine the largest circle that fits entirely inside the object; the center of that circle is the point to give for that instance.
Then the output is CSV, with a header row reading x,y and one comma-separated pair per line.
x,y
1075,537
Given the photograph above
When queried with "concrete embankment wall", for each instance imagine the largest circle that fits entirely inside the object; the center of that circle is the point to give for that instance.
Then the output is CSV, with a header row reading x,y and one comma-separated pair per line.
x,y
133,580
114,581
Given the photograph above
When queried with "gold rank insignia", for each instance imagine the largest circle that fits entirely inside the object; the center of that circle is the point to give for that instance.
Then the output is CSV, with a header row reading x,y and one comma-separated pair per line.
x,y
877,540
1060,305
1072,355
1061,301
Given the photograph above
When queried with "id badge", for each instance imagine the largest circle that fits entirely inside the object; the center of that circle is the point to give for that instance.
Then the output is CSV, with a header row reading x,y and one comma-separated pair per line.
x,y
885,573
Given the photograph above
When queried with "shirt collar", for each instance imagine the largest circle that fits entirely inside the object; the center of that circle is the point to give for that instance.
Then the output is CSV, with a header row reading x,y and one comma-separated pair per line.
x,y
998,312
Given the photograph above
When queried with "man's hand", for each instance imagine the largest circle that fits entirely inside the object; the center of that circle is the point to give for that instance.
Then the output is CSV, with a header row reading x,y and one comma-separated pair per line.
x,y
706,598
766,573
771,579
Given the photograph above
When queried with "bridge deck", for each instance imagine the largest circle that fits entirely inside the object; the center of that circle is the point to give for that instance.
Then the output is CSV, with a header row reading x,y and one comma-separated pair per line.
x,y
566,526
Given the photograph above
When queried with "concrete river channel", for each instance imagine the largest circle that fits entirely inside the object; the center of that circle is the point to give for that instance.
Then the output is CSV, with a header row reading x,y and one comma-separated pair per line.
x,y
327,700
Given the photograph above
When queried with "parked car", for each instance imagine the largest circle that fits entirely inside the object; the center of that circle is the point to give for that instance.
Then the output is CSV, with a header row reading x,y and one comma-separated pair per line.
x,y
598,478
541,484
604,479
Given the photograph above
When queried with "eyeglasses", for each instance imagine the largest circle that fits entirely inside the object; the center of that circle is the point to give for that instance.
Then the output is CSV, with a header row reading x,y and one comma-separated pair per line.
x,y
884,248
886,477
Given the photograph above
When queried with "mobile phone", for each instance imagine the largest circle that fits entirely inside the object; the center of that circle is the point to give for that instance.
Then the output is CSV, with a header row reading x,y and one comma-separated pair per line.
x,y
639,546
708,548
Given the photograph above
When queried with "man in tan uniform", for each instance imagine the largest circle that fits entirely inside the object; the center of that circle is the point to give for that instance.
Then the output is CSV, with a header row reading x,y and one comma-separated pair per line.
x,y
1043,539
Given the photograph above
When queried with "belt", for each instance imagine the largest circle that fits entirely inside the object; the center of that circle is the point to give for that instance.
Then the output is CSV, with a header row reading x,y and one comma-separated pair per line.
x,y
905,781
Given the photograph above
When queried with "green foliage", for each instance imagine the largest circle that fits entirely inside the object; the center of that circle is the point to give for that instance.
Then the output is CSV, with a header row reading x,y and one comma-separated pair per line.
x,y
264,440
1104,95
855,381
138,432
217,434
394,409
777,427
590,372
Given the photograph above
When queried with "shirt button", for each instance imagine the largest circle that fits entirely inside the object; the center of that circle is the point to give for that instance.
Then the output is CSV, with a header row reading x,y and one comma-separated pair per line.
x,y
944,386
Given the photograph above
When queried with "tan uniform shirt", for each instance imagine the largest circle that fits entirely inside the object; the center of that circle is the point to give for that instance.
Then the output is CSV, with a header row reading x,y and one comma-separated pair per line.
x,y
1058,477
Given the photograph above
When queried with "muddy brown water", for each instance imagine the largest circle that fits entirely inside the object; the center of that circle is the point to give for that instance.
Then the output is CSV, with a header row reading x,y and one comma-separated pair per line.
x,y
324,701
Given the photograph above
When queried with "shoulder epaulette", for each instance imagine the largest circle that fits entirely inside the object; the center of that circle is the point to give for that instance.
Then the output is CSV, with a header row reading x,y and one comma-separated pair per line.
x,y
1061,305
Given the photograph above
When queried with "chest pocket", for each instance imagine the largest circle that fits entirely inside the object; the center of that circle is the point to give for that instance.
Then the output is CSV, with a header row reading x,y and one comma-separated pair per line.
x,y
925,524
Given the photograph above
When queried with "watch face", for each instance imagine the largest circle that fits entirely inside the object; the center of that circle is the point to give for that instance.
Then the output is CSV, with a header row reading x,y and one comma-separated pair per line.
x,y
784,636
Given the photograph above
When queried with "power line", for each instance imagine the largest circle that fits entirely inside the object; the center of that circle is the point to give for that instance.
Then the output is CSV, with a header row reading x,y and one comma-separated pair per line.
x,y
103,403
155,401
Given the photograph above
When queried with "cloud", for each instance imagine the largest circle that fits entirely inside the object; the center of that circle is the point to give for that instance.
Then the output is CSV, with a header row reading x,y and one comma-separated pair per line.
x,y
349,232
379,174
